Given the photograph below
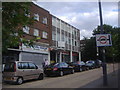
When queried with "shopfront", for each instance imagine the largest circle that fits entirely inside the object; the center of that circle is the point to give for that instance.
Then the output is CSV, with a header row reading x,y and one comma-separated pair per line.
x,y
37,54
75,56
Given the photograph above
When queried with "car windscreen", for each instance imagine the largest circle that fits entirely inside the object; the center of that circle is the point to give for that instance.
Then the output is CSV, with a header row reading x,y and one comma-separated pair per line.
x,y
9,67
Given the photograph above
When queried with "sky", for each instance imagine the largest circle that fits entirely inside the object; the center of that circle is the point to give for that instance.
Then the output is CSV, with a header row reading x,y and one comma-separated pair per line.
x,y
83,15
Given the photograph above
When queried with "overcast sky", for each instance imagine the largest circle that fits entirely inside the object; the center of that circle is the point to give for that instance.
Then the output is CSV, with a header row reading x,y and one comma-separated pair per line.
x,y
83,15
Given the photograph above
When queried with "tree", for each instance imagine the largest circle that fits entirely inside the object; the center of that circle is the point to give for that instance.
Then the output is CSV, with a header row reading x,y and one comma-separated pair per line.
x,y
89,51
14,17
115,48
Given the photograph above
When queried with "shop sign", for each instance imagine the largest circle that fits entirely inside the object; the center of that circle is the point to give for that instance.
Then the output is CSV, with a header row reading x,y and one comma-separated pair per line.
x,y
74,54
34,48
65,53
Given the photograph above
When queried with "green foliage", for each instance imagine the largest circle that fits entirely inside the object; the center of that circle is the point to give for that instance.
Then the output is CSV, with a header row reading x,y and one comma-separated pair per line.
x,y
112,51
14,17
89,52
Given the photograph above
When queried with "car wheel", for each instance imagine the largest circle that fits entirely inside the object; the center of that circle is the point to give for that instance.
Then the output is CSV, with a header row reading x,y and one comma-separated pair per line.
x,y
87,68
41,76
61,73
19,80
73,71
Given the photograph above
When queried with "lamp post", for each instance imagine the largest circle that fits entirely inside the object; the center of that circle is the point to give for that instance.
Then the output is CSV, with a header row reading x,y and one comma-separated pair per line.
x,y
105,83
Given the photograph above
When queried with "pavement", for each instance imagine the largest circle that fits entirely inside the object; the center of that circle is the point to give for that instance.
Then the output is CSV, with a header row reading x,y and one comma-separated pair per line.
x,y
113,80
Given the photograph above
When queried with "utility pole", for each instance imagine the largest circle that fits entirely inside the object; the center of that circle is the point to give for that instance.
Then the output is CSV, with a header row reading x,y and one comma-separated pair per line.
x,y
105,83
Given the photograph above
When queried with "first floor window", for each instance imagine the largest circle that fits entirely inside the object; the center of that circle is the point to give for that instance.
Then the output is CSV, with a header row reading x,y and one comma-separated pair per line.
x,y
45,35
53,35
44,20
36,17
36,32
26,29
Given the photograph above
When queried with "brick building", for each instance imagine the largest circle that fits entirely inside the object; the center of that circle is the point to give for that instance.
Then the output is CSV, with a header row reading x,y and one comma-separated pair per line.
x,y
41,28
59,41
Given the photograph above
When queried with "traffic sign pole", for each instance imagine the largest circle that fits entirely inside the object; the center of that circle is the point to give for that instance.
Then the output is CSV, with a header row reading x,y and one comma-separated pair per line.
x,y
105,83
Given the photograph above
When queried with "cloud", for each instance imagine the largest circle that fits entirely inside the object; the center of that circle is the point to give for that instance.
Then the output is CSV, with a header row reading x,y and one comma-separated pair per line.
x,y
85,33
83,15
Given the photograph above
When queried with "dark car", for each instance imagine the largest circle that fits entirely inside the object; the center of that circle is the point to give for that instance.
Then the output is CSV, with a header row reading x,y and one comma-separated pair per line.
x,y
78,66
90,64
98,63
58,69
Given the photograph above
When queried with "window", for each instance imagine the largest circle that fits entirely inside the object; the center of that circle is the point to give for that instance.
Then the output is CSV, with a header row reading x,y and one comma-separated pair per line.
x,y
32,66
36,32
63,37
69,41
9,67
66,39
27,13
53,35
53,21
44,20
24,65
26,29
19,66
45,35
58,36
36,17
58,23
75,43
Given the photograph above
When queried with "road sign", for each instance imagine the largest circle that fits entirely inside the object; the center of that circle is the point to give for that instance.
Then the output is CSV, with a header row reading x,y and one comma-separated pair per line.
x,y
103,40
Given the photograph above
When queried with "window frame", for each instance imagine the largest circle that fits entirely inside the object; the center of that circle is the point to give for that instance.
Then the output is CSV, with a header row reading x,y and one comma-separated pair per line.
x,y
36,17
44,20
45,35
36,32
26,29
35,67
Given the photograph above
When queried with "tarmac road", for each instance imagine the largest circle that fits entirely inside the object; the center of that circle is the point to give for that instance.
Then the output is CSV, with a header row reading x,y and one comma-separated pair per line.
x,y
83,79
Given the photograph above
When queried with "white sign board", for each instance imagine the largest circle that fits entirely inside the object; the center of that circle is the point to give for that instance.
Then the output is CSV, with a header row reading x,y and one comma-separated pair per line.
x,y
103,40
61,44
35,48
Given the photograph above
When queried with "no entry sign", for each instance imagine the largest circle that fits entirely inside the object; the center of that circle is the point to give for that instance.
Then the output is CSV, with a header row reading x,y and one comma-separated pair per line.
x,y
103,40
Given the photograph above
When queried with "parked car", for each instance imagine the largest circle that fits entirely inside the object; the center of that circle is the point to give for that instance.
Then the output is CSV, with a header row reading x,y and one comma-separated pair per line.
x,y
98,63
78,66
19,71
90,64
58,69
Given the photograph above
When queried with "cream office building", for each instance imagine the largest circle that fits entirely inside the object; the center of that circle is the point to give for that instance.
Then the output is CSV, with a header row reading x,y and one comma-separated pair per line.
x,y
65,42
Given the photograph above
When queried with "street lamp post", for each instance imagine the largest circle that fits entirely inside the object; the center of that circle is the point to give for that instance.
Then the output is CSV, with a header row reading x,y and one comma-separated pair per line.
x,y
105,83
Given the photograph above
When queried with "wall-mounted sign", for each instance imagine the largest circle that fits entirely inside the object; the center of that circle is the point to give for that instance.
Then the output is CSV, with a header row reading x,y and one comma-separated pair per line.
x,y
35,48
61,44
103,40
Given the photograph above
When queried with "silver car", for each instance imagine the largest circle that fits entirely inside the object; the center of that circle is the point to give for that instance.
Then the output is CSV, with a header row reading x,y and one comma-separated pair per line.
x,y
20,71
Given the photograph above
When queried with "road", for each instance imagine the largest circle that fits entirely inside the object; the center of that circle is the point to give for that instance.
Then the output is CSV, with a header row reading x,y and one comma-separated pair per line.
x,y
76,80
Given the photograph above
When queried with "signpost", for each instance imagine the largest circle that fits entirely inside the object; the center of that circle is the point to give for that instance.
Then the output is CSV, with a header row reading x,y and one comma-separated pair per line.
x,y
103,40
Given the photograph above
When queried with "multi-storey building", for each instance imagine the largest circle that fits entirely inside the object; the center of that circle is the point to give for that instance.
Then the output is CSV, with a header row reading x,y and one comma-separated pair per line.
x,y
58,40
65,42
82,45
41,29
